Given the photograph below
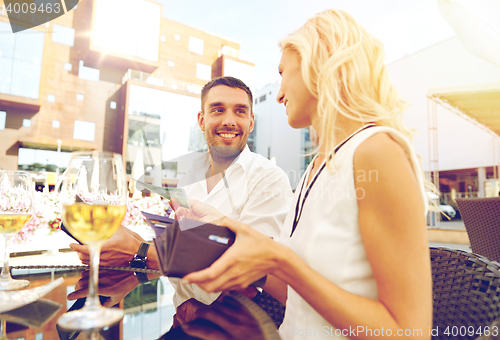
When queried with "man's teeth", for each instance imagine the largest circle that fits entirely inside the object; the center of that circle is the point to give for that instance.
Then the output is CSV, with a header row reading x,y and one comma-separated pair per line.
x,y
227,135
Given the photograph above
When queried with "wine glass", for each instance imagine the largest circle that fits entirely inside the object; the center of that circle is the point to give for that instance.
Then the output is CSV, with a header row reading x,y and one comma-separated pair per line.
x,y
16,210
93,197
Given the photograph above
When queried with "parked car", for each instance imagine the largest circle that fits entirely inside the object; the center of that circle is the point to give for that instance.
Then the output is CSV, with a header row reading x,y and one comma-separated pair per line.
x,y
448,210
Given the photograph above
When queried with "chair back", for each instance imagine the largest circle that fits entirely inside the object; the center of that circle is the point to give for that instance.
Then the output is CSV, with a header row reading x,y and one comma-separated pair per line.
x,y
481,217
273,308
466,293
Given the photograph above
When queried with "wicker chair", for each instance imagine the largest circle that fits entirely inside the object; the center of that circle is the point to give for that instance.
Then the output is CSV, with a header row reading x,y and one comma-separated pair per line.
x,y
481,217
466,289
273,308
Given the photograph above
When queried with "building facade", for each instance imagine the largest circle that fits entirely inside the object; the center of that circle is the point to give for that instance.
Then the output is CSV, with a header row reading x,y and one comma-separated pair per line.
x,y
93,81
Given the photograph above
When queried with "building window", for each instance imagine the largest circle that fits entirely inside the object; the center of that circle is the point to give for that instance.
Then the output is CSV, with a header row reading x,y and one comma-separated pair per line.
x,y
170,63
203,71
37,160
51,98
56,124
196,45
193,89
20,62
68,66
27,122
63,35
3,116
88,73
163,38
112,105
79,96
262,98
177,37
84,130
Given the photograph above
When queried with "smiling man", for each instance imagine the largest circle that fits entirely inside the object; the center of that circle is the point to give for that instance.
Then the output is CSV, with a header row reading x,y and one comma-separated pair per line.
x,y
243,185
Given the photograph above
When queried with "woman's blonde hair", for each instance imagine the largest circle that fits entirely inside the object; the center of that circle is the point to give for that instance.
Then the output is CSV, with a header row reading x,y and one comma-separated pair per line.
x,y
343,67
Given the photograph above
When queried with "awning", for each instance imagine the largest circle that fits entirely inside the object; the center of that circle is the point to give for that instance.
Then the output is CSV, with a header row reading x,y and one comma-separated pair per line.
x,y
479,102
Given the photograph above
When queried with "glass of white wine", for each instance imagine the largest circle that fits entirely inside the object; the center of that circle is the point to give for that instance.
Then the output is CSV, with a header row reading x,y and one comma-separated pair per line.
x,y
16,210
93,196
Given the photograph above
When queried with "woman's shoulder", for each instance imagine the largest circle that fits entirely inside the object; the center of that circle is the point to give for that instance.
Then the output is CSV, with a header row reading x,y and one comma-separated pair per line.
x,y
382,148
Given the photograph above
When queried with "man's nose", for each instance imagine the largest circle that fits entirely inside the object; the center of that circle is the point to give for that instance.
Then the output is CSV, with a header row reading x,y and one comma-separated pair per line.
x,y
229,118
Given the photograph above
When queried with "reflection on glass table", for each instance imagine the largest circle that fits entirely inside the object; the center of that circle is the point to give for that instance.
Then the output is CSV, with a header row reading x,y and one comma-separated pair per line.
x,y
148,308
231,317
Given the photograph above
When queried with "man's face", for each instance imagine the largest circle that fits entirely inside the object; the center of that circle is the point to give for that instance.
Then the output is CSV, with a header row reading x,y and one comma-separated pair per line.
x,y
226,120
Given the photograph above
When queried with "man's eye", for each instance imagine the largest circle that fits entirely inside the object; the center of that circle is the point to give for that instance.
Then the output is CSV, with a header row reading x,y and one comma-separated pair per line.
x,y
216,110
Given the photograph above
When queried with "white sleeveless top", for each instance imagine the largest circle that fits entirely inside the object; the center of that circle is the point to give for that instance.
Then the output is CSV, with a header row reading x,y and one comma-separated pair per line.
x,y
327,236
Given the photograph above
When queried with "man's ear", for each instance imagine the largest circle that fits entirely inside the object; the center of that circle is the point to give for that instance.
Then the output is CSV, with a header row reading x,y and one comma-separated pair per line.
x,y
252,122
201,119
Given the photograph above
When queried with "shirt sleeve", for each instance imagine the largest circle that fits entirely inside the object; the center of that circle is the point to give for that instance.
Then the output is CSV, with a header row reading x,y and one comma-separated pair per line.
x,y
268,202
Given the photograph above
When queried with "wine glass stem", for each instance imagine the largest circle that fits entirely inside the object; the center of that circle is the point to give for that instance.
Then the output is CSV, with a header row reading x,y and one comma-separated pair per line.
x,y
92,298
5,275
3,330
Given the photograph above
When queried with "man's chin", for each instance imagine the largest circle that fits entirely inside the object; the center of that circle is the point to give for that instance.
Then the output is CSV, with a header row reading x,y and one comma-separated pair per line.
x,y
224,151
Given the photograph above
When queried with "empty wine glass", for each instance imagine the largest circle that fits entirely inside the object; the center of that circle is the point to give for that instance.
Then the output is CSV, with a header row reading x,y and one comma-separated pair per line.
x,y
16,210
93,196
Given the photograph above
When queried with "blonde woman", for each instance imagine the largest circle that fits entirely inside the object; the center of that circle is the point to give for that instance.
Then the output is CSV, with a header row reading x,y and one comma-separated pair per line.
x,y
353,258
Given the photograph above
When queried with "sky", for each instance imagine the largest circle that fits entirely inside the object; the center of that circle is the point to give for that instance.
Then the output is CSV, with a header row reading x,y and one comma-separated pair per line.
x,y
404,26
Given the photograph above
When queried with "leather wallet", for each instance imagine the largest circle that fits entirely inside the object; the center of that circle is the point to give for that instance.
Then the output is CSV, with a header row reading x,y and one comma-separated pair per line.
x,y
187,246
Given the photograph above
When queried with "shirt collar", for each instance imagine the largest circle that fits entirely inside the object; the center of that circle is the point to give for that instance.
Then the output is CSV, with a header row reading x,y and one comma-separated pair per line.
x,y
244,160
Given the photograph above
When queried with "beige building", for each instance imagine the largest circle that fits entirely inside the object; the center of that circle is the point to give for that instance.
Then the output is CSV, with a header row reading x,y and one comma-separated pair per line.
x,y
94,81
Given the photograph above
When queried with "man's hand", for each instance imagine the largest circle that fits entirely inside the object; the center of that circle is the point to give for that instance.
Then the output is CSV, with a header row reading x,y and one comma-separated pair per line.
x,y
119,250
199,211
186,312
227,320
112,283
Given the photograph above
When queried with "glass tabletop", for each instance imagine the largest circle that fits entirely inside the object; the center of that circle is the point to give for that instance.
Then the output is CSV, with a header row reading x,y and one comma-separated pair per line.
x,y
148,308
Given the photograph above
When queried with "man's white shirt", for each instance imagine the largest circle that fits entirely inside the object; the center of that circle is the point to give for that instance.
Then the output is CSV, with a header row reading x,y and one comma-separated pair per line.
x,y
253,191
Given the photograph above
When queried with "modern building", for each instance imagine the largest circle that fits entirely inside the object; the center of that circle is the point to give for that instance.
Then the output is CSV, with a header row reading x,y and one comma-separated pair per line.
x,y
94,81
289,148
441,83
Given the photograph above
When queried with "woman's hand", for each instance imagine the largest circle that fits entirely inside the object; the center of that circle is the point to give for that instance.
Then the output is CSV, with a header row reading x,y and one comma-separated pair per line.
x,y
252,256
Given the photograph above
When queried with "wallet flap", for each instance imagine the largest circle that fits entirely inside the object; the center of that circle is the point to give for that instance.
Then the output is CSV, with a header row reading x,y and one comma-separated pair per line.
x,y
189,246
157,222
194,252
159,242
